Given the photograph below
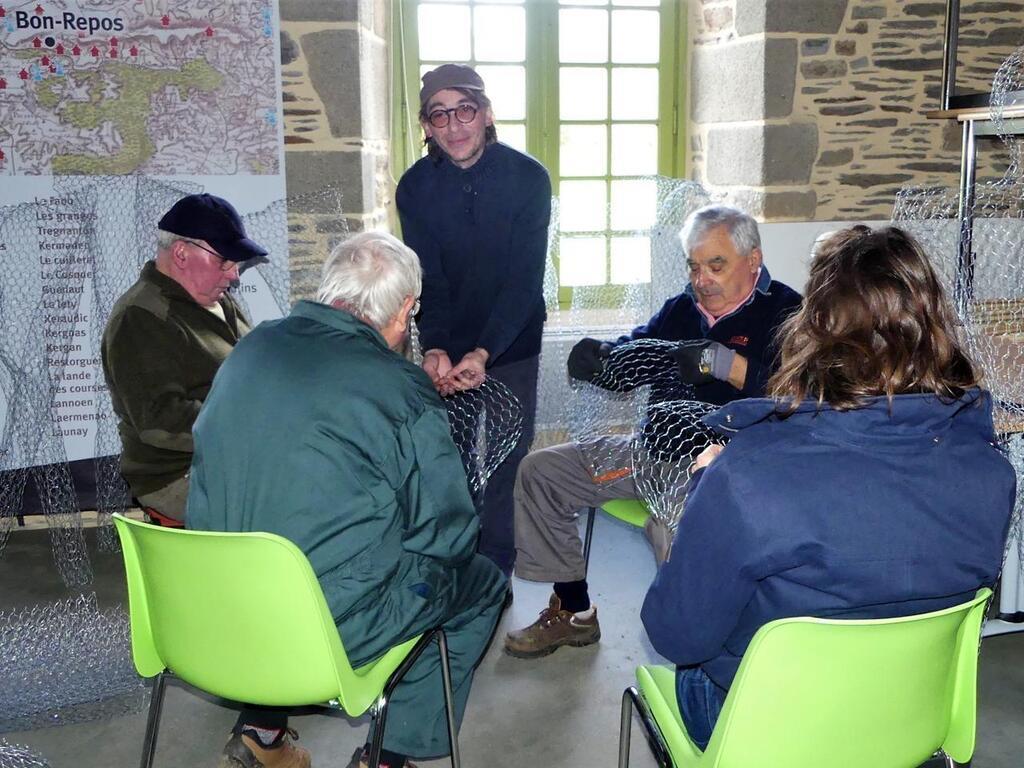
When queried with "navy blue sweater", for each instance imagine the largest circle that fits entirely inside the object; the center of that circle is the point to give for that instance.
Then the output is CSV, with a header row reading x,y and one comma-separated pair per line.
x,y
869,513
750,330
481,235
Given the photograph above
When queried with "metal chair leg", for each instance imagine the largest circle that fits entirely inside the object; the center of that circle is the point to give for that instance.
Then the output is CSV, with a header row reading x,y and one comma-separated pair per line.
x,y
380,716
591,514
625,728
156,702
449,698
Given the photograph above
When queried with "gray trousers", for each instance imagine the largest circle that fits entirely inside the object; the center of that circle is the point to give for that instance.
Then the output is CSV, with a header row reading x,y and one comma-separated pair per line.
x,y
552,486
169,500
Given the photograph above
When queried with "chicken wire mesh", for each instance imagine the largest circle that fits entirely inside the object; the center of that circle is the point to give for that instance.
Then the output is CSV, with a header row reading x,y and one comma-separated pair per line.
x,y
663,451
17,756
66,662
486,423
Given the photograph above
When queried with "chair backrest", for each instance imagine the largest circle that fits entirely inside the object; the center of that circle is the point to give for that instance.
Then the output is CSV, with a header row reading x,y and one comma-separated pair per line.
x,y
888,692
239,615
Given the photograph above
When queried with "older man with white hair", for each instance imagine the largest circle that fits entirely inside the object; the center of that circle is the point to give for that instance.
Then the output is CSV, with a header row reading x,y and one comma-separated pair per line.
x,y
317,430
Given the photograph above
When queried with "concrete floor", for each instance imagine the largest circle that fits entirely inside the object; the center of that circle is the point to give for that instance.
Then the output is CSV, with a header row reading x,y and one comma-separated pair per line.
x,y
562,710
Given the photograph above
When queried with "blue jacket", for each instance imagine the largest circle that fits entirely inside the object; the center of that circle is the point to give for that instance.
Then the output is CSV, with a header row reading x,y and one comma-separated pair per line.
x,y
482,238
750,330
868,513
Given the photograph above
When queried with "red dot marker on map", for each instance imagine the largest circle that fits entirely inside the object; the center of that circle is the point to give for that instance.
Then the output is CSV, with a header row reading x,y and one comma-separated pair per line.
x,y
94,51
37,43
53,68
39,10
3,84
60,48
76,50
113,53
23,74
2,156
113,41
165,20
209,32
133,51
3,12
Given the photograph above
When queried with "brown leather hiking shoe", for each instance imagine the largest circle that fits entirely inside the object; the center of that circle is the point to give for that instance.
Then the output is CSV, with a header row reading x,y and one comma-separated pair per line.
x,y
245,752
552,629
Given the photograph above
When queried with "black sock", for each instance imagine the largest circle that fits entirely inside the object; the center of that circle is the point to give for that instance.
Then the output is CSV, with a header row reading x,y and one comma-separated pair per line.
x,y
573,594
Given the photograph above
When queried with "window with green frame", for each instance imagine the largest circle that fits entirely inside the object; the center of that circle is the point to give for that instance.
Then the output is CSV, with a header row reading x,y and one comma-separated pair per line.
x,y
592,88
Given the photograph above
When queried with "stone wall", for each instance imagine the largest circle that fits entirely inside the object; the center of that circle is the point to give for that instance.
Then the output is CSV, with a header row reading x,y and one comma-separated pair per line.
x,y
334,71
814,109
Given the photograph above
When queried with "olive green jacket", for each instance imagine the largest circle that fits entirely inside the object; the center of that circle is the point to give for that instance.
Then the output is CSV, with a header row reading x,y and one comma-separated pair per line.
x,y
160,352
318,432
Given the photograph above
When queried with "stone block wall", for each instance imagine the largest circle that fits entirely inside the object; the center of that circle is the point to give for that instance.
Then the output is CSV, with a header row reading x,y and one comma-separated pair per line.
x,y
334,71
814,109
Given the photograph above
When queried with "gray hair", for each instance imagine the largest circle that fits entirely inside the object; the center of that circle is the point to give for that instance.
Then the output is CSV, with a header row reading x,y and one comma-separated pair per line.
x,y
165,239
741,227
370,275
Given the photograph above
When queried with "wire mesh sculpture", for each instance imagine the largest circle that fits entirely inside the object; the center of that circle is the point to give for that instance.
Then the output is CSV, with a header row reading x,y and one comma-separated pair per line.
x,y
486,423
987,287
65,662
17,756
663,451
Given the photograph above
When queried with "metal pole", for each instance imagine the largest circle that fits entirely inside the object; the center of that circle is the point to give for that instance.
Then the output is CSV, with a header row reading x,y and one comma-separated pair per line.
x,y
949,47
156,702
964,288
449,699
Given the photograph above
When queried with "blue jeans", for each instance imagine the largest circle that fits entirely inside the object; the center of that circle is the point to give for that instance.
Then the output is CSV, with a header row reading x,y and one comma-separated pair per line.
x,y
700,703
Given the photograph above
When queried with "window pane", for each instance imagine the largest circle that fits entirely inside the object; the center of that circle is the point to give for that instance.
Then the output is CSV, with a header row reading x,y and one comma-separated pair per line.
x,y
582,206
513,134
634,94
638,3
583,93
583,150
581,261
500,33
634,204
635,37
583,35
634,149
584,2
506,88
631,260
444,32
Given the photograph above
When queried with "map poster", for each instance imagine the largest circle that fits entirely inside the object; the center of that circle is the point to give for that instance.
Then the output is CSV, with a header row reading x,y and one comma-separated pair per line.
x,y
109,111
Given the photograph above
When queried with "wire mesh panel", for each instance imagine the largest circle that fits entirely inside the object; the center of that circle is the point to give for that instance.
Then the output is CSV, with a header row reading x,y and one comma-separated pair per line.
x,y
671,437
17,756
65,662
486,423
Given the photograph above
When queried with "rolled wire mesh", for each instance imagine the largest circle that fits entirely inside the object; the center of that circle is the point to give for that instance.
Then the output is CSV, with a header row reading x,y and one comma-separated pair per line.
x,y
31,363
17,756
636,374
486,423
65,662
663,451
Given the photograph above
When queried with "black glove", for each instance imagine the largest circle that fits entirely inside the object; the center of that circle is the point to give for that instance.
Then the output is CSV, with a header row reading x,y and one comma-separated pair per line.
x,y
702,361
586,360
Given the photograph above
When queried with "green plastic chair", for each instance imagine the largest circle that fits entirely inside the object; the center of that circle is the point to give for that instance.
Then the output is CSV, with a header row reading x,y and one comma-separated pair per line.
x,y
241,616
814,693
632,511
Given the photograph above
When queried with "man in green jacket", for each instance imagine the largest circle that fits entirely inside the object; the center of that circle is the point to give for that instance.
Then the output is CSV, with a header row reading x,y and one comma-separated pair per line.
x,y
316,430
165,339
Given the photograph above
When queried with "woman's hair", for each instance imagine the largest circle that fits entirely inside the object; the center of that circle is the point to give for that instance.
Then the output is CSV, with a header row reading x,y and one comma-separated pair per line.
x,y
875,321
370,275
482,103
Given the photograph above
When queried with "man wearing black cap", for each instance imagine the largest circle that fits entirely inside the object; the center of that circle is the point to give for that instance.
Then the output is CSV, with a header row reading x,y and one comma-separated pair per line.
x,y
477,212
165,339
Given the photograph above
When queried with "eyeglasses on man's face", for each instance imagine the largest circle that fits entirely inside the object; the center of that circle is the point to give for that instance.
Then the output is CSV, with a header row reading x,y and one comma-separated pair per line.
x,y
226,265
464,113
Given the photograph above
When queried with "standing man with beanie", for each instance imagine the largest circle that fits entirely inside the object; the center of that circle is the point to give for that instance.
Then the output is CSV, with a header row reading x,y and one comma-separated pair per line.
x,y
477,212
165,339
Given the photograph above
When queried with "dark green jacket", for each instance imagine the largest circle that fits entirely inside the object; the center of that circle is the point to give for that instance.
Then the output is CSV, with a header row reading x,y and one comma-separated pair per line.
x,y
316,431
160,353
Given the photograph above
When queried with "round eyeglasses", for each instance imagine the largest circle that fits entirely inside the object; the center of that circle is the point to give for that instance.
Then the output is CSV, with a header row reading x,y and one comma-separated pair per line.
x,y
225,264
464,113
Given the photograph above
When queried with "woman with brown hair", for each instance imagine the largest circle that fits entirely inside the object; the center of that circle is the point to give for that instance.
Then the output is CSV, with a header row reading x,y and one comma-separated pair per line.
x,y
868,485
